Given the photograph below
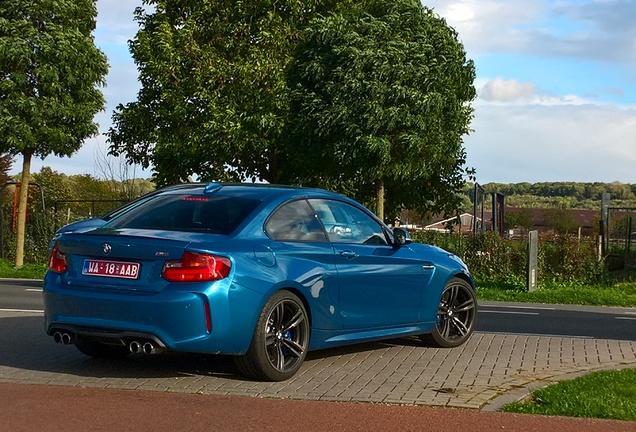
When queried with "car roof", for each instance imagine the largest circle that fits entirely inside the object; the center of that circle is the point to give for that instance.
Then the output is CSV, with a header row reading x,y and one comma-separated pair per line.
x,y
260,191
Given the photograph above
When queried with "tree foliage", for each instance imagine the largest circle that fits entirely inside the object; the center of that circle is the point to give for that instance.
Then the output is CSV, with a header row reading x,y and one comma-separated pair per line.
x,y
213,101
49,72
6,162
564,194
576,190
380,98
522,217
49,67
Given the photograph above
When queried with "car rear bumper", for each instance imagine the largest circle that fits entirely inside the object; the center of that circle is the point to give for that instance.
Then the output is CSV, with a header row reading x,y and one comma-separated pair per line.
x,y
174,319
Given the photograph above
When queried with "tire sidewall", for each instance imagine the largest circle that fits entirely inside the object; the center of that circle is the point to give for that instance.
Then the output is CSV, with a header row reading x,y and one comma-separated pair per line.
x,y
258,347
437,337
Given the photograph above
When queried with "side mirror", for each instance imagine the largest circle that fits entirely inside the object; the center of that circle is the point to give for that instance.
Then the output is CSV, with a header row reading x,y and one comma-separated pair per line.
x,y
401,236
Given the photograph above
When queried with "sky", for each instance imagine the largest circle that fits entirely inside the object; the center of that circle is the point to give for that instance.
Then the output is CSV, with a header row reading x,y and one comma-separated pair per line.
x,y
556,85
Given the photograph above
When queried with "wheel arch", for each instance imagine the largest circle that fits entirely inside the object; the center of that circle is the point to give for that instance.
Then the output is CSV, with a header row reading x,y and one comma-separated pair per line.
x,y
301,296
465,277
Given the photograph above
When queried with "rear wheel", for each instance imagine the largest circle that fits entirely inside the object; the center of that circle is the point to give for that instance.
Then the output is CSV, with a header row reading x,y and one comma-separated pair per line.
x,y
101,350
456,316
280,340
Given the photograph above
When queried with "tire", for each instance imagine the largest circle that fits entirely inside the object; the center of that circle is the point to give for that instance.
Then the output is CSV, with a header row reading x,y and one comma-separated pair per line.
x,y
100,350
456,316
280,341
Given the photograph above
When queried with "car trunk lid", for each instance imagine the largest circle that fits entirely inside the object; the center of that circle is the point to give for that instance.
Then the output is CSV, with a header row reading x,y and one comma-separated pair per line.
x,y
124,259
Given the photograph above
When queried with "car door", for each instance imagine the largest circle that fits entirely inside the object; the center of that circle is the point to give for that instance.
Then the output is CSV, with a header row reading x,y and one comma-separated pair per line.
x,y
304,255
379,285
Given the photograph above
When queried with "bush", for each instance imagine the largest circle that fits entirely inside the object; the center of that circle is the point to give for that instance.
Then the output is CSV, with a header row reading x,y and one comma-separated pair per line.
x,y
491,258
568,259
39,231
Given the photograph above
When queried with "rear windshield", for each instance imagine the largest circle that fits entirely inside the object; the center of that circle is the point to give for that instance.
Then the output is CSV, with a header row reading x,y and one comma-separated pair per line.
x,y
193,213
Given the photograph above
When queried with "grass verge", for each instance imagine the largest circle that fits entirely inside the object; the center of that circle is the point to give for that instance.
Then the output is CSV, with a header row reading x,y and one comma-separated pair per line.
x,y
28,271
621,294
604,395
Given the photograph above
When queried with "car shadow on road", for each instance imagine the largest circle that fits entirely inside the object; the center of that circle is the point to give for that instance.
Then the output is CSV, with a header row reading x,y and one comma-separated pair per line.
x,y
26,347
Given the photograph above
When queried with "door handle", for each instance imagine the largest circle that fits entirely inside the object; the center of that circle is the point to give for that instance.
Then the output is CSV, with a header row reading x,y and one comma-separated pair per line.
x,y
428,266
349,254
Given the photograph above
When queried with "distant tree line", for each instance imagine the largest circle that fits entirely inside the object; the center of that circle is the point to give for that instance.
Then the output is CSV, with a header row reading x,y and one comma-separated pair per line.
x,y
562,195
67,198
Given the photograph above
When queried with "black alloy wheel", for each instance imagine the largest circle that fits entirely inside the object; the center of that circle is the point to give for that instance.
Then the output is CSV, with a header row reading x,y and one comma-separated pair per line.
x,y
456,315
280,340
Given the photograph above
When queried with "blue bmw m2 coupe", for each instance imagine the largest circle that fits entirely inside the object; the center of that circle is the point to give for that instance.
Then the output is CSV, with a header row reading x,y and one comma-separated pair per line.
x,y
264,273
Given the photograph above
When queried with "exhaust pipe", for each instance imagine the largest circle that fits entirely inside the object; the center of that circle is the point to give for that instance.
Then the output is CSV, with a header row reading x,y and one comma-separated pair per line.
x,y
65,338
135,347
148,348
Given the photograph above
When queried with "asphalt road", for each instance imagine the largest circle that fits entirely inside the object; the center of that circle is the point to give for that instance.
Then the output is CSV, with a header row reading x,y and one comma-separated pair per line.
x,y
494,317
558,320
20,295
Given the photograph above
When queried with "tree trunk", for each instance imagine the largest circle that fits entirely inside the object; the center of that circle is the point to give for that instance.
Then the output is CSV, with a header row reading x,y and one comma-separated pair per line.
x,y
22,209
379,198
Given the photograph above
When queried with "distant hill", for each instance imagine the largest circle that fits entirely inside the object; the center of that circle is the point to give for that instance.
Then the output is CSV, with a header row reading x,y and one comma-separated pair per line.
x,y
565,195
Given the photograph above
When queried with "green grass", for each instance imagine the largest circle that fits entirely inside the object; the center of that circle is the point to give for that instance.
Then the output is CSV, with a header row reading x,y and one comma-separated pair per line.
x,y
604,395
27,271
621,294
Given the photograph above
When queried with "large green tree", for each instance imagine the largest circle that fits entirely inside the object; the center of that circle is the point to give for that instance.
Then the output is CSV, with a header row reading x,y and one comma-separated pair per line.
x,y
50,70
380,101
213,101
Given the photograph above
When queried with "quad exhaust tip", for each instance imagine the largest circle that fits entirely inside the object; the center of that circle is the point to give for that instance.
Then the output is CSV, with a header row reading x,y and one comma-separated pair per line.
x,y
134,347
137,347
64,338
149,348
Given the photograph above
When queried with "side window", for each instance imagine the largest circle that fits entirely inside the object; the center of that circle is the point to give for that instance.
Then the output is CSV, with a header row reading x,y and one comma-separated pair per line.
x,y
294,221
345,223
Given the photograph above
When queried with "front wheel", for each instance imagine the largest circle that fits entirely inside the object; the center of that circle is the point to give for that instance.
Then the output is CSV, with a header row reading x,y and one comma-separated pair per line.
x,y
456,315
280,340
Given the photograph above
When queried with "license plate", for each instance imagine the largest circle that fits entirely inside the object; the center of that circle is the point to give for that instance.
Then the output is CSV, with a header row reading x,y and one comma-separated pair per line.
x,y
117,269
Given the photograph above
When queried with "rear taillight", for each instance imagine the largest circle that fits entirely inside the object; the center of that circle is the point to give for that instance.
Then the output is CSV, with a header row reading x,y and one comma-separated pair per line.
x,y
196,267
57,260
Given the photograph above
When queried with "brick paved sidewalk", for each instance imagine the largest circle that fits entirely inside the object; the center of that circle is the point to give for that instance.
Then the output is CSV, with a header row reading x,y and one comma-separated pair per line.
x,y
400,371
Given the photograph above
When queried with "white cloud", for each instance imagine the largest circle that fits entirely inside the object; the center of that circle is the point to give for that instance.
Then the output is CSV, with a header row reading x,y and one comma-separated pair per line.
x,y
488,25
115,24
596,30
552,142
507,90
512,92
525,131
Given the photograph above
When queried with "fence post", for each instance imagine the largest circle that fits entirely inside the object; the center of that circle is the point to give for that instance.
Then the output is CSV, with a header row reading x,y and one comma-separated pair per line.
x,y
605,203
533,248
